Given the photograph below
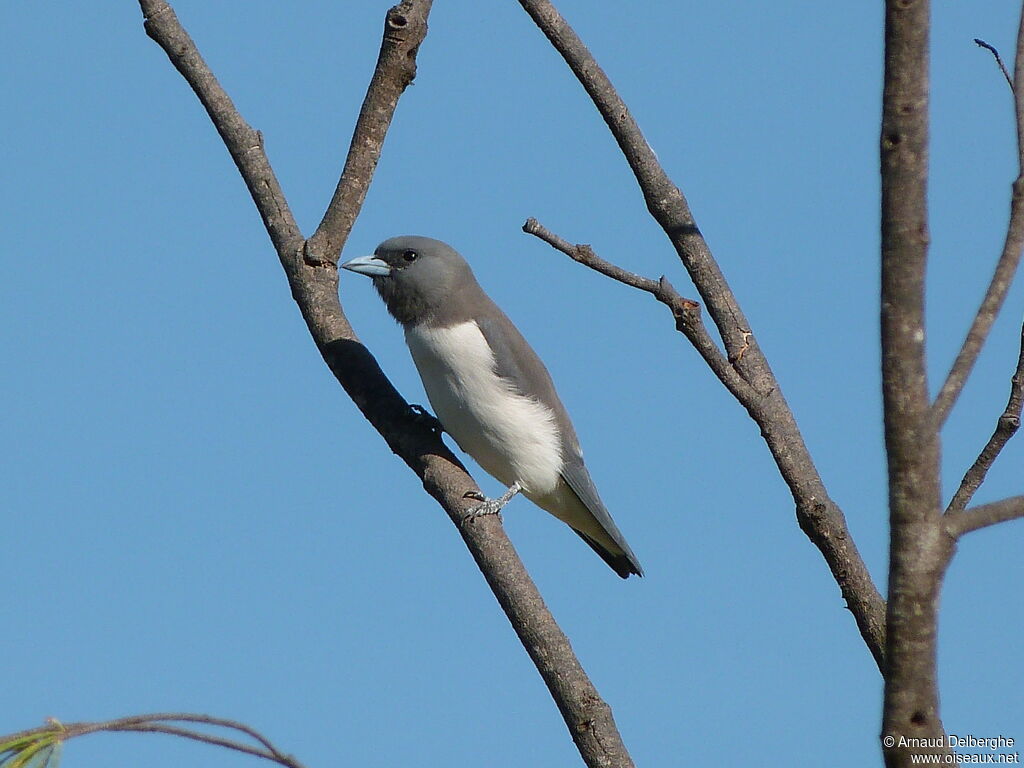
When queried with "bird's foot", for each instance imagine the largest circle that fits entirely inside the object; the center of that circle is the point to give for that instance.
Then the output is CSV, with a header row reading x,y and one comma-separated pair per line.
x,y
490,506
422,416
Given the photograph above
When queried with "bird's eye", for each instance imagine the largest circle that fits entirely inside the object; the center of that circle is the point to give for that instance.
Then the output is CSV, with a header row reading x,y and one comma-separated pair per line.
x,y
410,256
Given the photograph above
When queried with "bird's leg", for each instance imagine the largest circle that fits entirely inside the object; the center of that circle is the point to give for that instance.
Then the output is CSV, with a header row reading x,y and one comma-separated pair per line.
x,y
491,506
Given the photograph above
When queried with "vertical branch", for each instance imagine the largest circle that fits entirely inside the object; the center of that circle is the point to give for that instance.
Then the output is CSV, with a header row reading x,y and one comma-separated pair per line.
x,y
918,551
1009,259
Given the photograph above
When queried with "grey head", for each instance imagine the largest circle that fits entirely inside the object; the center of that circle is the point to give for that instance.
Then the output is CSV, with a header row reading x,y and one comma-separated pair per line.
x,y
421,280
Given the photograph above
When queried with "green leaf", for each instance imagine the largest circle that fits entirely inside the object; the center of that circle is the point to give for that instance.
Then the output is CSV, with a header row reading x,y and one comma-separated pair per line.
x,y
16,745
48,757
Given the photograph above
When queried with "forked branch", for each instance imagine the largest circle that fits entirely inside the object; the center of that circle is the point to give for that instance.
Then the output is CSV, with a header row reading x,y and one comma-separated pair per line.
x,y
313,277
976,518
818,515
685,311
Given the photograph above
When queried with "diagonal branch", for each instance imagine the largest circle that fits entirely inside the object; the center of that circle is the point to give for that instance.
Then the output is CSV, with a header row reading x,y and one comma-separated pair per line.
x,y
244,143
999,59
664,199
1006,267
1006,426
817,514
404,31
685,311
313,278
975,518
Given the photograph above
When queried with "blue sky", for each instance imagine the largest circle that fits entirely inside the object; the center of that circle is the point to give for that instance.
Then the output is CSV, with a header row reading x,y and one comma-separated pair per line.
x,y
196,517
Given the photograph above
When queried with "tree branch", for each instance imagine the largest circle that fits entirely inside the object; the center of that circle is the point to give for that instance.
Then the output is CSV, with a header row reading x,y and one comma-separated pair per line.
x,y
584,254
313,278
918,555
965,521
404,30
1006,426
244,143
685,311
55,733
1009,260
817,514
999,60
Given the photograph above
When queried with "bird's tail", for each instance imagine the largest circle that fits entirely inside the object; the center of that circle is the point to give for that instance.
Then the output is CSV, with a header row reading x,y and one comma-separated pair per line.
x,y
623,563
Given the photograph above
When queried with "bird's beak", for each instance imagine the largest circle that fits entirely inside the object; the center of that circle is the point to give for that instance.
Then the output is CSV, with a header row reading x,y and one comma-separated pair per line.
x,y
368,265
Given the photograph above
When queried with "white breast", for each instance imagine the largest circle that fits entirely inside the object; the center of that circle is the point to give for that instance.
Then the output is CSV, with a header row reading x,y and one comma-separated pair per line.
x,y
511,436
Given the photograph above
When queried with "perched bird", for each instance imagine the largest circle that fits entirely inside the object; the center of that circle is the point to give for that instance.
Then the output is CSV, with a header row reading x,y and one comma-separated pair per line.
x,y
489,389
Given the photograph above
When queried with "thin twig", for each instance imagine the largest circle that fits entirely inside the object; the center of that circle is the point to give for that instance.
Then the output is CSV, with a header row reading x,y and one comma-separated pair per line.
x,y
817,514
664,199
220,722
967,520
585,255
1006,267
1006,426
999,59
313,278
205,738
161,723
685,311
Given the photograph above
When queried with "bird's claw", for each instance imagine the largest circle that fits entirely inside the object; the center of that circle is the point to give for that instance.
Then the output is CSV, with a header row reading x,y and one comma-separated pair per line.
x,y
489,506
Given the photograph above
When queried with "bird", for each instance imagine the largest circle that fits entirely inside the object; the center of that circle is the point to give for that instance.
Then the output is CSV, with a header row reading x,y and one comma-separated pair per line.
x,y
489,389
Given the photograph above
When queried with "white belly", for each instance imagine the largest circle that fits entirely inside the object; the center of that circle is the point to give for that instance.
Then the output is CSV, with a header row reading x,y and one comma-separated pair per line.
x,y
511,436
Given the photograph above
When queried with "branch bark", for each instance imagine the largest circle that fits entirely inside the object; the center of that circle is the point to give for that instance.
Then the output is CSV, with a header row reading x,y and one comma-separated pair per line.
x,y
918,551
817,514
976,518
685,311
404,30
1006,427
1009,260
310,267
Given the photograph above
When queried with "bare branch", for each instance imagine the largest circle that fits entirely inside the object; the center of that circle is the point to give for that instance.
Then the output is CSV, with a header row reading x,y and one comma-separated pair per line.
x,y
917,555
685,311
1006,267
817,514
244,143
965,521
57,732
313,278
585,255
999,60
404,30
1006,426
664,199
